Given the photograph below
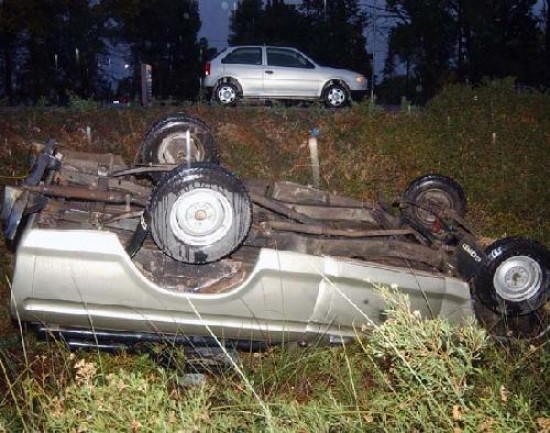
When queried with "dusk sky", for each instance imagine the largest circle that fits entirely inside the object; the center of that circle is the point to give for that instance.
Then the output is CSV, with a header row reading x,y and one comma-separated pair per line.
x,y
215,20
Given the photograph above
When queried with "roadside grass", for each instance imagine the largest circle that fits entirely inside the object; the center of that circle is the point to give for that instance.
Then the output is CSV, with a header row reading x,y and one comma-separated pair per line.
x,y
405,375
493,140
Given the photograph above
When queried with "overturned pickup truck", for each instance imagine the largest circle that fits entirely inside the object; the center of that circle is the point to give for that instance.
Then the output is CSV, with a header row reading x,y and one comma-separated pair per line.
x,y
178,247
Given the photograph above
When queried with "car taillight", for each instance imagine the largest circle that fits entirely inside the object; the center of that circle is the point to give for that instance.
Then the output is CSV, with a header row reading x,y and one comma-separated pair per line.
x,y
207,69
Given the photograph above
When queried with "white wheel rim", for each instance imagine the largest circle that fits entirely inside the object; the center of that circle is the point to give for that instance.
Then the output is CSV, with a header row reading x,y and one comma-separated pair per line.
x,y
226,94
518,278
201,217
173,149
336,97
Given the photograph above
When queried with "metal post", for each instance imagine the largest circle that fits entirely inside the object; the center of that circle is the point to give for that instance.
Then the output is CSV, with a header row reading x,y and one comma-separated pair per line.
x,y
374,18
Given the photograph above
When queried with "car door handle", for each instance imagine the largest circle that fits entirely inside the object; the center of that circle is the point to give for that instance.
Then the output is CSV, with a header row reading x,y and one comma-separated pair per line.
x,y
269,71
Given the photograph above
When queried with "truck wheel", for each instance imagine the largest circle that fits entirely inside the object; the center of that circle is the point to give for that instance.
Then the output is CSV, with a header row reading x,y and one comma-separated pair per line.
x,y
428,196
166,142
515,277
199,214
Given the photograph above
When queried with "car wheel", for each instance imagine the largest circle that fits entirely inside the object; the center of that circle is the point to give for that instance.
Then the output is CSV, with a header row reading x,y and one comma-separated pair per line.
x,y
515,277
226,94
167,142
199,214
430,195
336,96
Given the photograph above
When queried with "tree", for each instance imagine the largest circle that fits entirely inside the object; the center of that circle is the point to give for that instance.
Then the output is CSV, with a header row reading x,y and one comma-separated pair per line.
x,y
337,33
464,40
275,23
500,38
282,24
77,43
49,48
162,33
423,40
546,44
11,24
246,23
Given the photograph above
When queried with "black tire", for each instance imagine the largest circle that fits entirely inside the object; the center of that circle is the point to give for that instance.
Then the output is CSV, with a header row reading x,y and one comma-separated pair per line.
x,y
199,214
336,96
430,195
166,142
515,277
226,94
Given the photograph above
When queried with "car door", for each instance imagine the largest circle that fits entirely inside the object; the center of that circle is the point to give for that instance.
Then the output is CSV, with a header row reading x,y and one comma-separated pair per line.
x,y
290,73
245,64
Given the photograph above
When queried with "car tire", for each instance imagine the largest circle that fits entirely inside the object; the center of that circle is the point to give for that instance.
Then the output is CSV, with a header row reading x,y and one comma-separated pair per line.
x,y
226,94
514,278
336,96
429,195
199,214
166,142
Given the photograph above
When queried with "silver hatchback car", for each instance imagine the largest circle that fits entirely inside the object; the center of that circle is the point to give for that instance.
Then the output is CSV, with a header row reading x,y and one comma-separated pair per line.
x,y
268,72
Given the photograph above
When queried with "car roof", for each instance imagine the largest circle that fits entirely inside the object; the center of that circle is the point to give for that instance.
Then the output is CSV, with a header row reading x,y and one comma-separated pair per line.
x,y
260,46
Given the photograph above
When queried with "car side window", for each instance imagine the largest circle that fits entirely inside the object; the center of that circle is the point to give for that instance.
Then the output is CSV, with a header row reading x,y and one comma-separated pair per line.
x,y
287,58
244,56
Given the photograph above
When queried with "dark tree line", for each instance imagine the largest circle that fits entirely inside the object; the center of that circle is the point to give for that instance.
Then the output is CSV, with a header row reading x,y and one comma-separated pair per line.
x,y
162,33
48,48
51,49
438,41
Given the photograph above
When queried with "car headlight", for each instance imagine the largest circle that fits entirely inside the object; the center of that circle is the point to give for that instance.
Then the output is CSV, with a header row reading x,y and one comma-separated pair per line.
x,y
360,79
